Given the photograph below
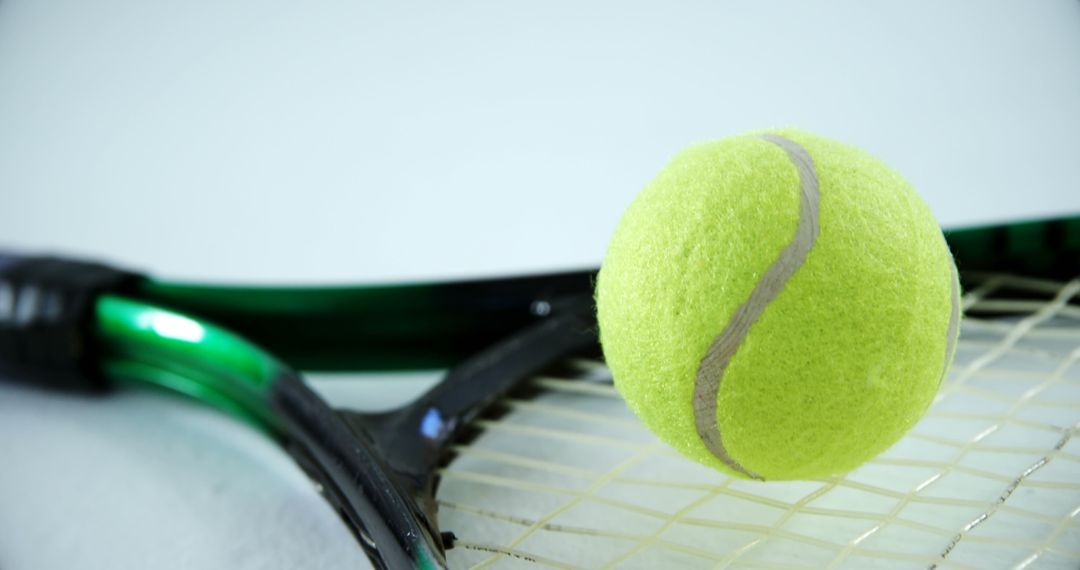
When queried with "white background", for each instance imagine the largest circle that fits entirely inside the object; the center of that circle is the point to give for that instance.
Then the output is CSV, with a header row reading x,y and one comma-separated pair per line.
x,y
380,141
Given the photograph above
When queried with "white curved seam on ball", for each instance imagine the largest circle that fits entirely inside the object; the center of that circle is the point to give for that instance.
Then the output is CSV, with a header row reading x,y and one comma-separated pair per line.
x,y
954,322
711,370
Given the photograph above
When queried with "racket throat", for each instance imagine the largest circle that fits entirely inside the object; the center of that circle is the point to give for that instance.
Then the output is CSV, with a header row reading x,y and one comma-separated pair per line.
x,y
416,441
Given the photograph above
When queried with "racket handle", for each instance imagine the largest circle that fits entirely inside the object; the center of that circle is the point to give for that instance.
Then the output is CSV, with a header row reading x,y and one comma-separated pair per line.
x,y
47,313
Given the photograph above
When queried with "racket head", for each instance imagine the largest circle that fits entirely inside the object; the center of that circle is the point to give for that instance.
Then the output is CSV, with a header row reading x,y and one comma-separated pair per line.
x,y
990,477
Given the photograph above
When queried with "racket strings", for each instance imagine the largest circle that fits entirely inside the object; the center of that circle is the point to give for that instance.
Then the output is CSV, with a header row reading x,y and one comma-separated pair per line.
x,y
569,479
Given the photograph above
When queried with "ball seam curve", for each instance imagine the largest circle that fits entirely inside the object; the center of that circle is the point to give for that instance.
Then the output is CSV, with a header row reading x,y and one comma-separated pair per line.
x,y
711,369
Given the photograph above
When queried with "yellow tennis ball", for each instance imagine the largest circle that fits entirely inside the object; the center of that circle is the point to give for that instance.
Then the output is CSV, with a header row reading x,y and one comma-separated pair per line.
x,y
778,305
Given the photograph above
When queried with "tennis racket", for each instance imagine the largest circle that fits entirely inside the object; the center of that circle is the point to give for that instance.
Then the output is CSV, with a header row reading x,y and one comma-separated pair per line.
x,y
524,456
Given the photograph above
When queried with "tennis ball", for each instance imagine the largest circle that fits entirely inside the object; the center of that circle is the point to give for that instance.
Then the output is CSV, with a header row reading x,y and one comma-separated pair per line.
x,y
778,305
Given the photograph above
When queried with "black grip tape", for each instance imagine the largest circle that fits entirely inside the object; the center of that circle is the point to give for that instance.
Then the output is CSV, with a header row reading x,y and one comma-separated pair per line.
x,y
47,314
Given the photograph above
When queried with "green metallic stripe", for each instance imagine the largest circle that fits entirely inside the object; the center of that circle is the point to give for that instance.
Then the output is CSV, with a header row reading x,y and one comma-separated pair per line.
x,y
383,327
142,343
1041,248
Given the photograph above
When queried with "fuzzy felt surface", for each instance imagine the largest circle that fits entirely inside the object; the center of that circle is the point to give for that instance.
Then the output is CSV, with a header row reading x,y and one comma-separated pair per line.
x,y
841,363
